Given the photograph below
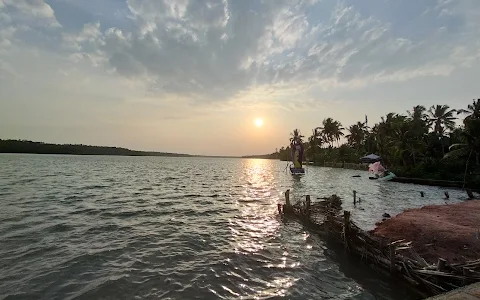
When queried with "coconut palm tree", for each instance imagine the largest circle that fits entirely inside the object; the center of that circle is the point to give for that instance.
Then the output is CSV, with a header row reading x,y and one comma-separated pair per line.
x,y
473,110
297,137
337,131
356,136
471,146
383,134
331,130
419,119
471,134
441,119
417,113
404,143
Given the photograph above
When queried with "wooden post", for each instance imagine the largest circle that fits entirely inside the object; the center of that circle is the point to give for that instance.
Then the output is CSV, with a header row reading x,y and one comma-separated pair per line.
x,y
392,258
469,193
447,195
422,194
287,197
465,273
354,197
327,223
346,226
279,207
307,206
288,206
441,264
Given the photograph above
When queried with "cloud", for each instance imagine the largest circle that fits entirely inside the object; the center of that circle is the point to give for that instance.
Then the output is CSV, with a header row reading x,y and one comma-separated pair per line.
x,y
191,58
29,12
213,50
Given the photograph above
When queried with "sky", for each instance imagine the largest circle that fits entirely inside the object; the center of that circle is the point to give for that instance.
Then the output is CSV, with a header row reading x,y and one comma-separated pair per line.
x,y
192,76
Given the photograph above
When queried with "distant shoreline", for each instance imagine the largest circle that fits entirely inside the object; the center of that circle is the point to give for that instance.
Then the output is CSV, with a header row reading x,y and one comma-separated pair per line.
x,y
30,147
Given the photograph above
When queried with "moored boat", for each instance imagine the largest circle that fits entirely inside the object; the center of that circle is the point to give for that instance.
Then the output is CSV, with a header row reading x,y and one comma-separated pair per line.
x,y
379,172
297,150
297,171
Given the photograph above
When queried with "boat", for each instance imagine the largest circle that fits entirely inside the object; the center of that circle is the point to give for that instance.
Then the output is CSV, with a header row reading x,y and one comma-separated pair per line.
x,y
297,158
387,177
297,171
378,172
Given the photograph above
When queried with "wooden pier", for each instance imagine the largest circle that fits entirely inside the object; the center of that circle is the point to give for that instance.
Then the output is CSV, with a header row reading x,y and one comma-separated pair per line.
x,y
396,257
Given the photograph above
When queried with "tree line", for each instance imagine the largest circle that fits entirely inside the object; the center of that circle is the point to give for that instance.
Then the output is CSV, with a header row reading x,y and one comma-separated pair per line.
x,y
424,143
24,146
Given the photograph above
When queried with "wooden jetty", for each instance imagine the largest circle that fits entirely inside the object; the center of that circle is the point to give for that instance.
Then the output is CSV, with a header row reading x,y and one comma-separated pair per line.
x,y
396,257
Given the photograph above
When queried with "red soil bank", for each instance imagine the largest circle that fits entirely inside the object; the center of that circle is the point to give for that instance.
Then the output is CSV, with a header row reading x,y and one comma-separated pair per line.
x,y
451,231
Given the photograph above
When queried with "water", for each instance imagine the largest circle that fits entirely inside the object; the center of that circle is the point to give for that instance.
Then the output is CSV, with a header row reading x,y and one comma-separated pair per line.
x,y
100,227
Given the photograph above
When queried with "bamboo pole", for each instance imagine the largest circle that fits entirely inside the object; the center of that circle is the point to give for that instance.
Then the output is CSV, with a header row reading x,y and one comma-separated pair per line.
x,y
346,227
308,206
392,257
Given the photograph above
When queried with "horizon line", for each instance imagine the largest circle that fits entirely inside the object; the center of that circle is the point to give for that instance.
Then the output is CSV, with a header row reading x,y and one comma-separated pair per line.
x,y
134,150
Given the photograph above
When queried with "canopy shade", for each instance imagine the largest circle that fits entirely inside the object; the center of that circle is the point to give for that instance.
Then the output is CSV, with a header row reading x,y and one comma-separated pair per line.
x,y
370,158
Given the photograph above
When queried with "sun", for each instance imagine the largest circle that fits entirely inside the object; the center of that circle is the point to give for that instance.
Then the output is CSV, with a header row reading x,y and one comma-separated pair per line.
x,y
258,122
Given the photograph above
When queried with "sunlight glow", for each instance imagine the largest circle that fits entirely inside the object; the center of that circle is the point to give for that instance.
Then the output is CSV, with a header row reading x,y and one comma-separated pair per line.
x,y
258,122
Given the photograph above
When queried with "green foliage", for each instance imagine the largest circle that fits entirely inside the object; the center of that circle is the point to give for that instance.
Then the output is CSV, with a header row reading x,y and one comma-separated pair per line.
x,y
422,143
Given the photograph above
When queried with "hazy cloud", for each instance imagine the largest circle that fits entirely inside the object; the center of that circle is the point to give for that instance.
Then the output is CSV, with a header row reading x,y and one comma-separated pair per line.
x,y
212,50
289,54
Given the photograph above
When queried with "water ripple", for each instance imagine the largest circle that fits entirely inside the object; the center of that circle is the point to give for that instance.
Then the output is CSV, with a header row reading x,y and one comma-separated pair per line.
x,y
78,227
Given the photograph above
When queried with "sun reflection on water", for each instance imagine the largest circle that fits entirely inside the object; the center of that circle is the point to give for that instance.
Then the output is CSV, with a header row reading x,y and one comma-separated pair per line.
x,y
255,223
255,230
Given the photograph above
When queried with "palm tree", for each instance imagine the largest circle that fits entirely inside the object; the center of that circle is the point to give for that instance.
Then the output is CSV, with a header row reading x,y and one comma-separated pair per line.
x,y
473,110
418,113
337,131
325,131
383,134
441,119
331,130
357,135
404,142
312,146
297,137
471,146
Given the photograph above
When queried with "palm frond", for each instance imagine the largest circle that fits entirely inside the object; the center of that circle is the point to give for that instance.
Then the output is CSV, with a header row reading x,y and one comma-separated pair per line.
x,y
457,153
456,146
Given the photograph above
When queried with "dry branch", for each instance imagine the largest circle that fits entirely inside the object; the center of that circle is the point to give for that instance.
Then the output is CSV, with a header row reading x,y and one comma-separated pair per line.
x,y
398,256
